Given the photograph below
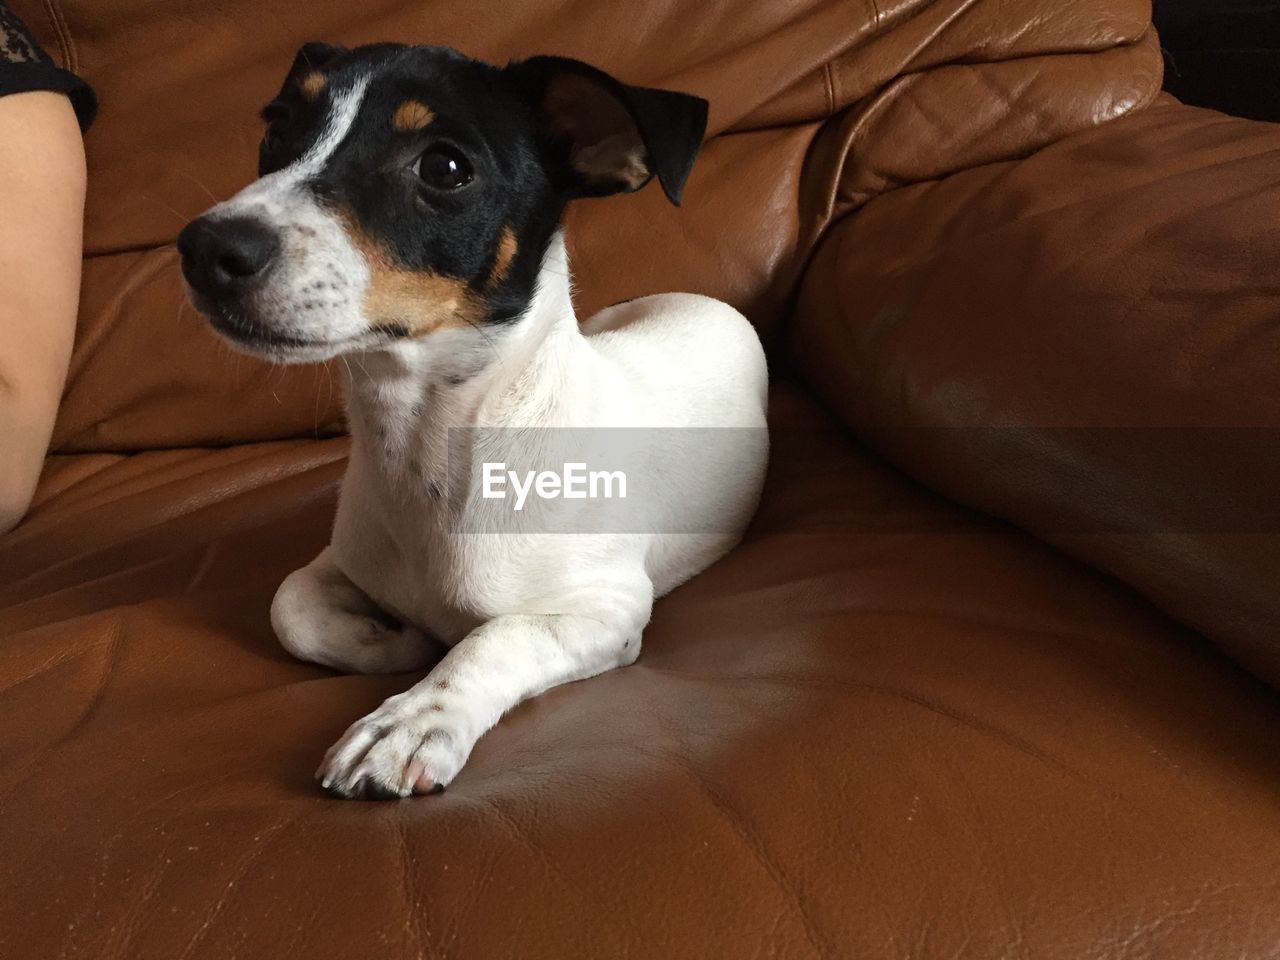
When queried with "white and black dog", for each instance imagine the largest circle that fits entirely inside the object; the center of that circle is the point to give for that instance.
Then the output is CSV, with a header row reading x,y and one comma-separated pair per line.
x,y
407,218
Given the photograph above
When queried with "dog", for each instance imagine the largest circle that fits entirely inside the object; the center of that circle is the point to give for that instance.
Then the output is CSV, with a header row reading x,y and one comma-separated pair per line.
x,y
407,219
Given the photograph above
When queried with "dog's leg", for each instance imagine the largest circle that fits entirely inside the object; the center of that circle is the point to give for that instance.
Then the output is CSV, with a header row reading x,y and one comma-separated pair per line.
x,y
417,741
320,615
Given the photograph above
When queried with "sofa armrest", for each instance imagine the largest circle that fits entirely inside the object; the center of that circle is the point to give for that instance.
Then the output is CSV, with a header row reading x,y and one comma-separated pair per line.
x,y
1085,343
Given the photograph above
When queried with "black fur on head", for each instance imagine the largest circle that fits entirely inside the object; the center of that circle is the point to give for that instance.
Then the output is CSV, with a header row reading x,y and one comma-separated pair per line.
x,y
462,169
406,190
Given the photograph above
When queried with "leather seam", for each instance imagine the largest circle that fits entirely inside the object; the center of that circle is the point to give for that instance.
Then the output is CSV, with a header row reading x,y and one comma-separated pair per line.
x,y
52,20
66,45
74,64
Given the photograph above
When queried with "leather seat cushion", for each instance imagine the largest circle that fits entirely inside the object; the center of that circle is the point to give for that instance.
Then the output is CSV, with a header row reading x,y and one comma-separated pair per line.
x,y
882,721
1085,343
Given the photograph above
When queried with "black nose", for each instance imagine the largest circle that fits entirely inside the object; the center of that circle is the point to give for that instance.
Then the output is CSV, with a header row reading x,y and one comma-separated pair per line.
x,y
226,256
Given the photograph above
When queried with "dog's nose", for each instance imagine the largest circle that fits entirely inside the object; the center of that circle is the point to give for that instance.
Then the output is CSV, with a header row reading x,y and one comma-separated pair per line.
x,y
226,256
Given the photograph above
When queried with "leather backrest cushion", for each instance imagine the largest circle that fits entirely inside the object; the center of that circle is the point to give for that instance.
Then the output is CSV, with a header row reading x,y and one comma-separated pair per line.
x,y
181,82
1085,343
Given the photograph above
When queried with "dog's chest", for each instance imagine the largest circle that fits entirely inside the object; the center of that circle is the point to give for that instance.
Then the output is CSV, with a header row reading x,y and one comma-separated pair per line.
x,y
391,532
399,536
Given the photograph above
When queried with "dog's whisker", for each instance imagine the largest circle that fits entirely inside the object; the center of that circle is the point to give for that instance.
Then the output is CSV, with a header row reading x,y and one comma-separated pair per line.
x,y
165,206
328,400
493,347
184,173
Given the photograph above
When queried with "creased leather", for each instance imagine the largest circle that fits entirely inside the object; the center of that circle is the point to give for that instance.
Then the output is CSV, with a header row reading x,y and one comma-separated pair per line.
x,y
1084,343
883,726
816,106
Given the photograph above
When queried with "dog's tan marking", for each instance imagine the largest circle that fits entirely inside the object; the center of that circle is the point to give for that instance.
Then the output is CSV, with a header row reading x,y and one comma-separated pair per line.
x,y
412,115
312,84
424,302
420,301
617,159
506,253
605,144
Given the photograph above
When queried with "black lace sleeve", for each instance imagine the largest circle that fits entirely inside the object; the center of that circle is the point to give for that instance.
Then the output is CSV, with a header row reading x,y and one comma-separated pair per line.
x,y
25,66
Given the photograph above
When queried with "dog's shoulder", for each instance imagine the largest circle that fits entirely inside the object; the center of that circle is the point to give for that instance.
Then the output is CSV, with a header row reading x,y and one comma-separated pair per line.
x,y
682,357
673,321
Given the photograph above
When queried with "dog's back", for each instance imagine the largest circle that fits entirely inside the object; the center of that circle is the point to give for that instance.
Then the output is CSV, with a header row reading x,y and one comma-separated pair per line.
x,y
695,361
693,368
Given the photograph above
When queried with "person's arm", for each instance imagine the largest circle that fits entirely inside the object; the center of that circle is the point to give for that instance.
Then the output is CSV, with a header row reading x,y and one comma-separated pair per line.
x,y
42,188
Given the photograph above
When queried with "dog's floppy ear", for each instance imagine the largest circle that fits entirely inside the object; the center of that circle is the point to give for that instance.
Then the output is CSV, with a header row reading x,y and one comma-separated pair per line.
x,y
315,56
609,136
307,72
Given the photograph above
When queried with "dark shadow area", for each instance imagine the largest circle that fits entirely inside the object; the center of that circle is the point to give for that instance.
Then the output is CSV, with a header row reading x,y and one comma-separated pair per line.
x,y
1223,54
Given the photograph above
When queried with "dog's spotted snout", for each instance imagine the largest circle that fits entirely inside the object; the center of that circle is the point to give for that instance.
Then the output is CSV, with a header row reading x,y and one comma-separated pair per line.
x,y
227,257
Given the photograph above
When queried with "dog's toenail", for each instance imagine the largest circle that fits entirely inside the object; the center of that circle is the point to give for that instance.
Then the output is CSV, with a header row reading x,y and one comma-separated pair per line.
x,y
370,789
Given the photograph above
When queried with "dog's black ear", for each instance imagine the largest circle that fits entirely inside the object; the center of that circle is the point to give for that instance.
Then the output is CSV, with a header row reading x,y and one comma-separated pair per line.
x,y
315,56
611,137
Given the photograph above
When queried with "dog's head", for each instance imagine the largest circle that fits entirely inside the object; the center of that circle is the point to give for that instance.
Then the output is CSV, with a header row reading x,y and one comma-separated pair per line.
x,y
406,191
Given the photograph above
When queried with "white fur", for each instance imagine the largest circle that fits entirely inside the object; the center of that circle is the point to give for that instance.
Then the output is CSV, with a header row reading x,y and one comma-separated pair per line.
x,y
520,610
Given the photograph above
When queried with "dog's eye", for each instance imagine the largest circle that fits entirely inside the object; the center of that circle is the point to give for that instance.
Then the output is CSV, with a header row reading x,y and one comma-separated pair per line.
x,y
444,168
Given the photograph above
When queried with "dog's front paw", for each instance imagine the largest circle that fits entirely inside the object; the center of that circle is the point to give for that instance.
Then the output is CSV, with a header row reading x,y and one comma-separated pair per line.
x,y
388,755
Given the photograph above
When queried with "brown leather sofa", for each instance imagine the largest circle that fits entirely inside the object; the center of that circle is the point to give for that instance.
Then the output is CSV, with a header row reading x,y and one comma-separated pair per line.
x,y
971,688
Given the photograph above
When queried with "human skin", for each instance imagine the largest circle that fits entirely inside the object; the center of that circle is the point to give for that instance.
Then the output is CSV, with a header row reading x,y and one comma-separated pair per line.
x,y
42,189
